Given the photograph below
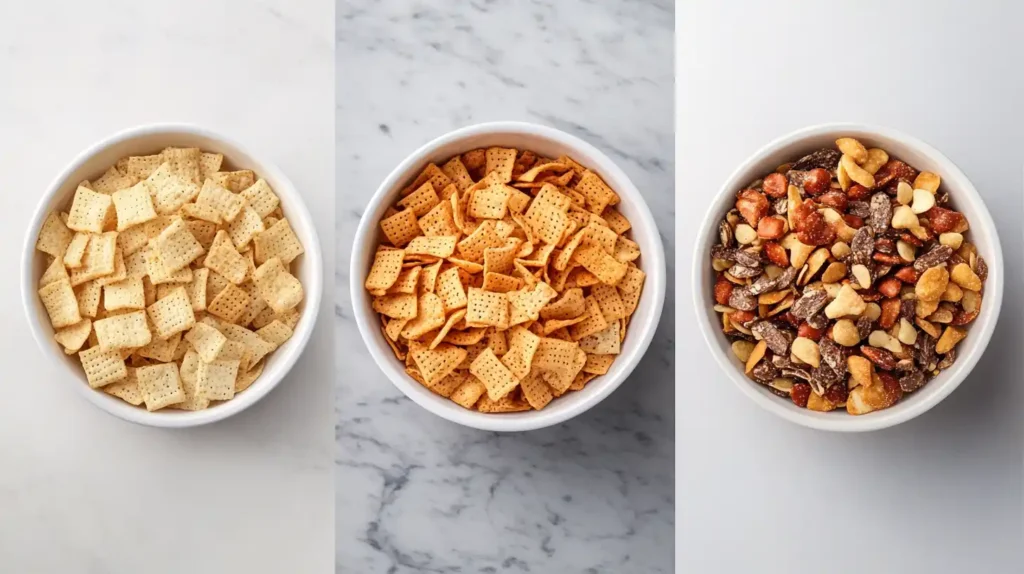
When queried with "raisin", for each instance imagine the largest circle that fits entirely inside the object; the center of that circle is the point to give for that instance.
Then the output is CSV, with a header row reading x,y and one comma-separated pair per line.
x,y
937,255
864,326
881,212
775,185
981,268
894,170
800,393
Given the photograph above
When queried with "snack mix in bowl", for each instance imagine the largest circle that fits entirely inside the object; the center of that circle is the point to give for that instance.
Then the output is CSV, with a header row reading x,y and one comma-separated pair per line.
x,y
845,279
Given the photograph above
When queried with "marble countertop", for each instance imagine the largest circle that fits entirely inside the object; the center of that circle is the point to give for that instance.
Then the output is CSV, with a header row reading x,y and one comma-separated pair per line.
x,y
82,491
415,493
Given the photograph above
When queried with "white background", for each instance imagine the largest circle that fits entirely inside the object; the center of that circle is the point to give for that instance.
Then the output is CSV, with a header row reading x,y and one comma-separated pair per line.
x,y
942,493
81,491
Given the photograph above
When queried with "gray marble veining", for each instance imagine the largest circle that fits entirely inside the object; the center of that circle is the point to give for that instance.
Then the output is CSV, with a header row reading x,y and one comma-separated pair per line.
x,y
416,493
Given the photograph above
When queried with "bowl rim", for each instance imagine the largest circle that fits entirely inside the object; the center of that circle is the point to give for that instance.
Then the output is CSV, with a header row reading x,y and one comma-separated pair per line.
x,y
175,418
654,267
901,412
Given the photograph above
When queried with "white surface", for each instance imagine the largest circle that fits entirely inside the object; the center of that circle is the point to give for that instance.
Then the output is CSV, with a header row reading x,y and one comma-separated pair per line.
x,y
81,491
965,199
941,493
420,494
546,142
144,140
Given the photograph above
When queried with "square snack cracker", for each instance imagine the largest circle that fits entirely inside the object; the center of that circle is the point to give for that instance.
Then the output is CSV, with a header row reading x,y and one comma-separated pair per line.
x,y
541,277
275,332
60,303
176,246
133,205
124,294
225,260
436,364
73,337
102,367
230,304
99,259
261,197
279,241
125,331
245,227
170,190
215,197
89,211
279,288
54,236
127,390
76,250
111,181
172,314
234,181
216,380
160,385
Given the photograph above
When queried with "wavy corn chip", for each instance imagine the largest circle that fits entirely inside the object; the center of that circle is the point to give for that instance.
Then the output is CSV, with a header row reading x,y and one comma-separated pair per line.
x,y
279,288
569,305
535,391
234,181
472,247
127,331
246,378
547,217
484,308
226,260
598,194
387,267
610,302
616,221
170,191
598,364
184,162
275,332
141,167
99,259
430,317
438,221
188,373
606,268
456,172
435,364
501,161
432,174
499,283
450,290
120,272
604,342
89,211
408,281
209,164
157,272
593,323
74,336
527,303
522,345
54,272
402,306
500,259
60,302
216,380
490,202
176,247
400,228
420,201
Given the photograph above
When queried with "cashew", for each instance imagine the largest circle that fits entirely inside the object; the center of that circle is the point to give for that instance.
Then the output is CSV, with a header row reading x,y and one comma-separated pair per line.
x,y
856,172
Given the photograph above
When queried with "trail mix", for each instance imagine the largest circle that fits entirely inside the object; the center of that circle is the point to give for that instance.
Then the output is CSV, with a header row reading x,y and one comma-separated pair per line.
x,y
844,279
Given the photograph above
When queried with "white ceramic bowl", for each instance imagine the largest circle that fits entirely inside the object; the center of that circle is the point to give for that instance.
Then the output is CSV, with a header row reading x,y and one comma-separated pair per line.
x,y
963,197
143,140
551,143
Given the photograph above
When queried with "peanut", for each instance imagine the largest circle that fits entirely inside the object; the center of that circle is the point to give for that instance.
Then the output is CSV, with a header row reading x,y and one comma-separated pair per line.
x,y
950,337
928,181
951,240
844,333
856,172
846,303
964,277
876,159
904,218
807,351
853,148
904,193
907,251
863,276
923,201
840,249
932,283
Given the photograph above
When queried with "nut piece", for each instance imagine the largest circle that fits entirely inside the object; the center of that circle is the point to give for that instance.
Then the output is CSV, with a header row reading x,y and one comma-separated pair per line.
x,y
834,272
953,293
846,303
853,148
907,334
844,332
932,284
883,340
904,193
907,251
806,350
863,276
840,250
951,240
873,311
755,356
964,277
745,234
970,301
876,159
950,337
799,253
923,201
928,181
842,177
816,402
904,218
742,349
856,172
860,369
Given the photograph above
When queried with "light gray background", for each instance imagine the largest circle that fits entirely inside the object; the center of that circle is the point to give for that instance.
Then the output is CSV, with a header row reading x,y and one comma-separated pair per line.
x,y
416,493
938,494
